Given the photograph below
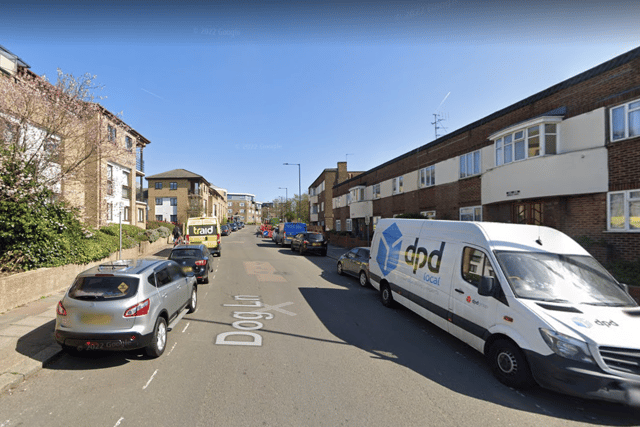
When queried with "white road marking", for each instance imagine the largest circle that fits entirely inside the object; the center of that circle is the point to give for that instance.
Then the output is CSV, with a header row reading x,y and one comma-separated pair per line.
x,y
150,379
185,328
174,346
277,308
119,421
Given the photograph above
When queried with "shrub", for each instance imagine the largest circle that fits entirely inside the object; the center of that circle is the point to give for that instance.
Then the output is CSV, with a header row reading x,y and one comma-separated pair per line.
x,y
626,271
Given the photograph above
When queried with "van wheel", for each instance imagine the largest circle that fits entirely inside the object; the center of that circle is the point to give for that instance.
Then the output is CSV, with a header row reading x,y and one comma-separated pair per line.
x,y
509,365
385,295
159,341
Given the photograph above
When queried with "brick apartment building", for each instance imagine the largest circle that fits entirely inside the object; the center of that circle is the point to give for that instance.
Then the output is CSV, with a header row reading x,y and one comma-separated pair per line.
x,y
179,194
103,188
321,208
567,157
243,207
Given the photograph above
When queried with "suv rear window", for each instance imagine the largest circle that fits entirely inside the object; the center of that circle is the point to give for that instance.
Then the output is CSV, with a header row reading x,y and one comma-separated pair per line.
x,y
315,237
99,288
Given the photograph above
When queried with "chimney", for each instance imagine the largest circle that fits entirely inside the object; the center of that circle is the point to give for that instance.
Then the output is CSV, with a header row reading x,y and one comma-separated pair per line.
x,y
342,172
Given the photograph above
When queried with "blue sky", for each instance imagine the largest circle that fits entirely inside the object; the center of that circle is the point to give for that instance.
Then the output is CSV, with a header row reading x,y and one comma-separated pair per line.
x,y
232,90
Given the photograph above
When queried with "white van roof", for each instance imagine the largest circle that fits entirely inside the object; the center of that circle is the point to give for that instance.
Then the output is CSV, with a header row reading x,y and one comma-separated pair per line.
x,y
499,236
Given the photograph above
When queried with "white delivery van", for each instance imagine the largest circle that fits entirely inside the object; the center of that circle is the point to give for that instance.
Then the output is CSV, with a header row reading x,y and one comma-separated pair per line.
x,y
528,297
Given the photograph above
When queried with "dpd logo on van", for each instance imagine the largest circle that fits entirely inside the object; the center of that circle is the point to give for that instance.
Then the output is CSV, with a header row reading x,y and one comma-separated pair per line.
x,y
389,249
418,257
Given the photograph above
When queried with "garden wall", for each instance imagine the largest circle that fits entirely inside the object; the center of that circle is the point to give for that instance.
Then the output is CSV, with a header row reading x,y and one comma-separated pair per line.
x,y
21,288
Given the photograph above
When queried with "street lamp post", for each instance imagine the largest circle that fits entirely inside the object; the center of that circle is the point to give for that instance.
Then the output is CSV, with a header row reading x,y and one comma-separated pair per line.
x,y
299,187
286,193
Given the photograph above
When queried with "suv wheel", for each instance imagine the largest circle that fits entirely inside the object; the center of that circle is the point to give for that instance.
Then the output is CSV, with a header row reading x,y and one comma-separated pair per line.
x,y
193,303
159,342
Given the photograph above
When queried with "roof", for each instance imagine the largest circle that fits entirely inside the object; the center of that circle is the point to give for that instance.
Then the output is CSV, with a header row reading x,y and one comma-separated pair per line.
x,y
612,64
15,57
177,174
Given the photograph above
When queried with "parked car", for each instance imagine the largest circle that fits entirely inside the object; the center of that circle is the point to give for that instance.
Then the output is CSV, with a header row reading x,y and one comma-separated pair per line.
x,y
309,242
234,226
225,230
193,258
240,225
277,236
125,305
274,235
356,263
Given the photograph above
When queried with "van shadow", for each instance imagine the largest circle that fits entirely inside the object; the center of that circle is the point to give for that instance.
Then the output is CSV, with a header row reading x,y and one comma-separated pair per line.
x,y
355,315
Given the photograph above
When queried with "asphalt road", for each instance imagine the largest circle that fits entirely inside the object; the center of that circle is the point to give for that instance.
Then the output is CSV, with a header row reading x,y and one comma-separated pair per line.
x,y
280,339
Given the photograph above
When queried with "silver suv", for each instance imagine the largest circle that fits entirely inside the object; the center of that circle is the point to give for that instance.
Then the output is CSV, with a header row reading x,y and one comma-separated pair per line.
x,y
125,305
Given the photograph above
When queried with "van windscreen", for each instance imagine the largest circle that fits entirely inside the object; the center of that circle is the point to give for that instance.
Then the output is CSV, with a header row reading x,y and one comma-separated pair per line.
x,y
576,279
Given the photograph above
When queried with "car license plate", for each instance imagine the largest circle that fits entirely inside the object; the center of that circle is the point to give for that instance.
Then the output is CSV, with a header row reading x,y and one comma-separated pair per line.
x,y
96,319
187,269
316,244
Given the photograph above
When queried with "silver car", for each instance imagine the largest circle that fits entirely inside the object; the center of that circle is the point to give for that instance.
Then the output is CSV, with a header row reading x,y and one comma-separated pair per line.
x,y
356,263
125,305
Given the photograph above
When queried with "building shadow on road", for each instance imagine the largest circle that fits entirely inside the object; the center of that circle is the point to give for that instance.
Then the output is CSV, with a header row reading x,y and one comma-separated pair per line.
x,y
355,315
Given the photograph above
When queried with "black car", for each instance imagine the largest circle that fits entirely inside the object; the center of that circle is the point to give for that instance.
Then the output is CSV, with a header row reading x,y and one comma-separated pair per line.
x,y
309,242
234,226
193,258
225,230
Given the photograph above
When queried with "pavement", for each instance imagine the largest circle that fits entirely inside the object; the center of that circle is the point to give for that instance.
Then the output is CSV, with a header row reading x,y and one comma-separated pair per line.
x,y
26,334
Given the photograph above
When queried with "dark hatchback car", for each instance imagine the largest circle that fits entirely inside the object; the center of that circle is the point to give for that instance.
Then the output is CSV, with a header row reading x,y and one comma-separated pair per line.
x,y
234,226
356,263
309,242
193,259
225,230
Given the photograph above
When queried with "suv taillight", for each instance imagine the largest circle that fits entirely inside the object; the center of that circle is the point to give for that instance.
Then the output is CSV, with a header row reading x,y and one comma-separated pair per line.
x,y
139,309
201,262
60,309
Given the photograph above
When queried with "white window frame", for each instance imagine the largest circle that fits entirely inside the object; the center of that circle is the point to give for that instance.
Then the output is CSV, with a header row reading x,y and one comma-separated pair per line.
x,y
349,225
631,108
427,177
140,214
159,199
321,206
547,128
474,211
173,201
338,224
473,161
629,198
397,185
376,191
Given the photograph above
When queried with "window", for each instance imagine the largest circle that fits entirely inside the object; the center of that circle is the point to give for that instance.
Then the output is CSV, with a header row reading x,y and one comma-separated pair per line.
x,y
158,186
111,133
140,215
126,213
128,142
241,210
321,206
174,201
625,121
229,210
158,201
428,214
174,218
532,141
472,213
229,204
475,265
109,211
397,185
242,204
338,225
349,228
624,211
109,180
470,164
126,188
527,213
376,191
356,194
173,186
428,176
159,218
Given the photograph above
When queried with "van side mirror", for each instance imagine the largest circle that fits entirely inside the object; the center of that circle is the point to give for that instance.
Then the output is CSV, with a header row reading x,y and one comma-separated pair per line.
x,y
487,287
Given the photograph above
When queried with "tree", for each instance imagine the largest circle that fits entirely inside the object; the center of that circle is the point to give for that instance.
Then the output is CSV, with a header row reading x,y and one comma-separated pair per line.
x,y
47,133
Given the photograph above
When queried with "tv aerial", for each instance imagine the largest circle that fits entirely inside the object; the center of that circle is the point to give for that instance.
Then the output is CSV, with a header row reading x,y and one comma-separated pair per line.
x,y
438,117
